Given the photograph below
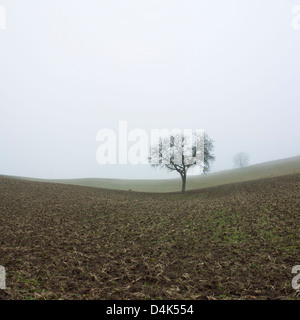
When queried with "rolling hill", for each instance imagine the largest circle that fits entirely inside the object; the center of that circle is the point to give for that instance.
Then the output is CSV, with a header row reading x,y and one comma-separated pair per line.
x,y
234,241
258,171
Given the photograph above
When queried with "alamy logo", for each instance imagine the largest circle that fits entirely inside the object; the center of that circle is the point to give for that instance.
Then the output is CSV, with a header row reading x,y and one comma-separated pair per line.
x,y
2,17
296,18
296,279
138,147
2,278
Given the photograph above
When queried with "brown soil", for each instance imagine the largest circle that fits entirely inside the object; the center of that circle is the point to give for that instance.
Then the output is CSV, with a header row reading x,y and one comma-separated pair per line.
x,y
237,241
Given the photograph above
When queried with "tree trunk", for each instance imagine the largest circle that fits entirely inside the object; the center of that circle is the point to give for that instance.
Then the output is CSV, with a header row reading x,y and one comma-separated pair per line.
x,y
183,178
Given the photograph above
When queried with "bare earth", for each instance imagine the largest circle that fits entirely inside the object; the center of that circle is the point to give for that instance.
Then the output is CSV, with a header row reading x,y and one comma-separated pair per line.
x,y
236,241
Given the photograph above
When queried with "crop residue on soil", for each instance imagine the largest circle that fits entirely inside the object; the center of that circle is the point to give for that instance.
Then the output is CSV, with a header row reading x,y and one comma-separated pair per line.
x,y
237,241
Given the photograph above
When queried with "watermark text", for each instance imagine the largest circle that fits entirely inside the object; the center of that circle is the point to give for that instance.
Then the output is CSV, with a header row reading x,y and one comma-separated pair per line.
x,y
2,278
296,18
2,17
137,146
296,279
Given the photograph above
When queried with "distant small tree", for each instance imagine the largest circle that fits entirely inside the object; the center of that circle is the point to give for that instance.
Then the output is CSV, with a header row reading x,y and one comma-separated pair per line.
x,y
178,153
241,160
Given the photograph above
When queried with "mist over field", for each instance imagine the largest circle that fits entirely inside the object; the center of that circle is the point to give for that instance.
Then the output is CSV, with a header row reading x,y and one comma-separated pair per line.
x,y
72,68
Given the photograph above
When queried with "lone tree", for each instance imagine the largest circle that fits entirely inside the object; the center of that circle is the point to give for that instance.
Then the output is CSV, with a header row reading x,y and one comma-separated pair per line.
x,y
181,152
241,160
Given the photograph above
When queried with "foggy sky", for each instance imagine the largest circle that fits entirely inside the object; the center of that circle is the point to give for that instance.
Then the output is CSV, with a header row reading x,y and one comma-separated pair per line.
x,y
69,68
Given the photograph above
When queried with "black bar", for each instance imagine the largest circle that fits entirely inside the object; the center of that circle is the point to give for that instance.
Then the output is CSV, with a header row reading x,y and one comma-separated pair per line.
x,y
136,309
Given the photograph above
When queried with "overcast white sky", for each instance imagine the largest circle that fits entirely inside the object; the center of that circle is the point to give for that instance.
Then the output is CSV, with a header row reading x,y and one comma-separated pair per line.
x,y
69,68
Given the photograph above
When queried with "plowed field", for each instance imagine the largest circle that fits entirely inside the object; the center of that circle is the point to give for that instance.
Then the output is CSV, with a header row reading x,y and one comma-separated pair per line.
x,y
237,241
